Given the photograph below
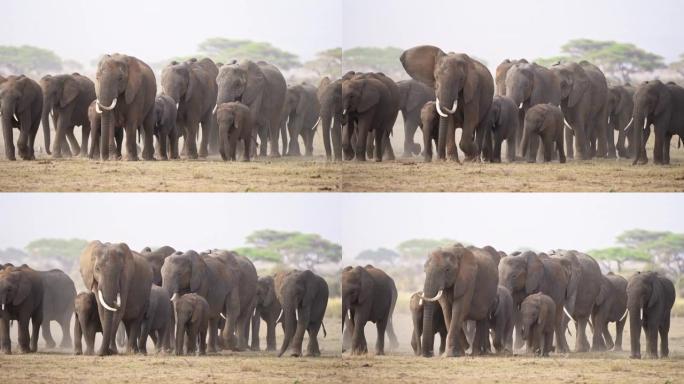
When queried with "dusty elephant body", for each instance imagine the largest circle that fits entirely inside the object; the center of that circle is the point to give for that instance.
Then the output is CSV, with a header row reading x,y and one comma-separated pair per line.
x,y
122,281
620,109
546,122
368,294
429,124
611,306
650,297
304,297
412,97
21,299
156,260
503,125
58,305
268,309
21,105
501,321
86,322
95,119
330,98
235,126
192,321
538,311
157,319
165,129
438,326
301,114
464,89
67,98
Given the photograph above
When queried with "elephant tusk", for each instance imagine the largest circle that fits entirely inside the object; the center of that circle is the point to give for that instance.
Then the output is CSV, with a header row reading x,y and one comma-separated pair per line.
x,y
624,315
645,123
344,111
439,110
17,119
568,124
315,124
118,300
568,313
2,307
104,303
628,124
97,108
213,111
439,295
222,315
453,107
254,312
280,316
296,316
177,106
109,107
520,106
608,119
349,315
52,114
174,297
420,301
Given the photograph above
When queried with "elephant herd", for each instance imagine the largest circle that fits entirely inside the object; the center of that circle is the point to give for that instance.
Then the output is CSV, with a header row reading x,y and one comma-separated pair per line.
x,y
471,293
227,107
187,302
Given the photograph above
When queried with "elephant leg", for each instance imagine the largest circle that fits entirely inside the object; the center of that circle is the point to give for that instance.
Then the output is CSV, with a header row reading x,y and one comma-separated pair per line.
x,y
47,335
271,335
361,139
8,139
213,332
5,343
273,132
548,343
427,143
410,127
442,342
569,143
358,345
380,340
607,338
142,339
454,343
664,330
548,147
75,148
24,337
336,136
190,144
387,151
581,342
666,148
131,146
610,142
481,333
65,323
313,350
415,342
202,341
347,334
191,342
85,135
561,343
206,133
619,327
517,324
121,335
451,148
78,336
600,324
652,340
256,323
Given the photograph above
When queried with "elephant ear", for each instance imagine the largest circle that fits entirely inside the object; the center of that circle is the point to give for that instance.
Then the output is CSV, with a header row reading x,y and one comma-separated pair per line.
x,y
365,285
134,80
419,62
304,102
23,289
195,314
69,92
256,81
656,292
580,84
541,318
304,289
604,291
471,82
465,266
413,98
87,264
664,100
534,273
192,83
572,266
198,271
370,96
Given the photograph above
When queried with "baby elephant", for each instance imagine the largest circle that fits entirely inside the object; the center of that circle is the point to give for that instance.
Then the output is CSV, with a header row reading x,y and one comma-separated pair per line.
x,y
502,125
429,124
235,123
501,321
544,121
192,319
87,322
156,321
538,312
416,306
165,129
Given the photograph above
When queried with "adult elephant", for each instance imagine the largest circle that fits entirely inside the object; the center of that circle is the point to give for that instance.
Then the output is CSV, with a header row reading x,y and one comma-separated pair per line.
x,y
300,115
21,299
502,71
452,277
261,87
620,108
95,118
121,280
583,293
192,85
330,98
268,308
67,98
368,294
304,297
584,101
527,273
459,81
126,89
21,103
58,305
650,297
156,260
412,96
663,106
611,306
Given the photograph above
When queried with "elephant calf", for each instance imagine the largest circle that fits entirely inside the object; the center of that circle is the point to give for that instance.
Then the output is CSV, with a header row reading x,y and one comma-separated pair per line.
x,y
416,306
268,308
192,320
165,129
501,321
156,321
503,125
87,322
545,121
235,124
429,124
95,119
538,311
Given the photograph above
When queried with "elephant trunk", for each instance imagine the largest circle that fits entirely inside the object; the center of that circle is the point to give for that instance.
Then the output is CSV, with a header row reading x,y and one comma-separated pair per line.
x,y
45,122
635,328
639,126
106,134
525,142
442,137
430,290
289,328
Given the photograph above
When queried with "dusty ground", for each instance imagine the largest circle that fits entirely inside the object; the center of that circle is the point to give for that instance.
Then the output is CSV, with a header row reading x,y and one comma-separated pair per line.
x,y
314,174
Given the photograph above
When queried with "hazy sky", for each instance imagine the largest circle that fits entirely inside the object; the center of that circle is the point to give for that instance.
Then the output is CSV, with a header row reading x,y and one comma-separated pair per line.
x,y
155,30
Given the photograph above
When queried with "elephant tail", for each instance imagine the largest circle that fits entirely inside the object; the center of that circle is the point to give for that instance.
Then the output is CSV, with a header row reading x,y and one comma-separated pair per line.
x,y
325,333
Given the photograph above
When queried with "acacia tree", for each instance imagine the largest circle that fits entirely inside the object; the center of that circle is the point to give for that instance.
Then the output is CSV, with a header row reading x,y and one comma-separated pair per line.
x,y
380,256
301,250
221,49
29,60
327,63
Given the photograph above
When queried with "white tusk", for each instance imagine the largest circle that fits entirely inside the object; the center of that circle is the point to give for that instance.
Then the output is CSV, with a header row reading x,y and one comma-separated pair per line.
x,y
254,313
314,126
97,108
296,317
344,111
213,111
15,116
2,307
280,315
103,302
568,124
453,107
439,110
439,295
222,315
349,315
520,106
174,297
608,119
628,124
645,123
624,315
420,301
52,114
107,108
176,106
568,313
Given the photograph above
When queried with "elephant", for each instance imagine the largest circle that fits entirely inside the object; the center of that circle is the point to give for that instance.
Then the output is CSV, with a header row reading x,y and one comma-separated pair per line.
x,y
21,104
650,297
503,125
412,97
663,106
261,87
457,79
67,98
156,260
157,319
301,114
165,128
86,323
126,90
620,108
304,297
582,293
429,124
122,281
452,276
368,294
268,308
502,72
611,306
192,321
330,98
58,305
527,273
584,100
545,121
438,326
21,298
192,86
95,119
501,321
235,125
370,103
537,312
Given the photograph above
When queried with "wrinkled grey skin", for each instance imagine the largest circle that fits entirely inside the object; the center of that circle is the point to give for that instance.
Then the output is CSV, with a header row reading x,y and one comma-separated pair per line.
x,y
537,312
663,106
58,305
546,122
620,108
438,326
261,87
503,125
501,72
67,98
501,321
156,260
650,297
300,118
165,129
330,98
86,322
21,297
95,119
456,77
133,85
304,297
268,309
611,306
192,321
429,123
157,319
412,97
21,104
235,127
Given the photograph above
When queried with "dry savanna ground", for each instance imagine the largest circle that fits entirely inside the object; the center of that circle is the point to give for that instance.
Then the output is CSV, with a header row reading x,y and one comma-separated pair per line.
x,y
314,174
